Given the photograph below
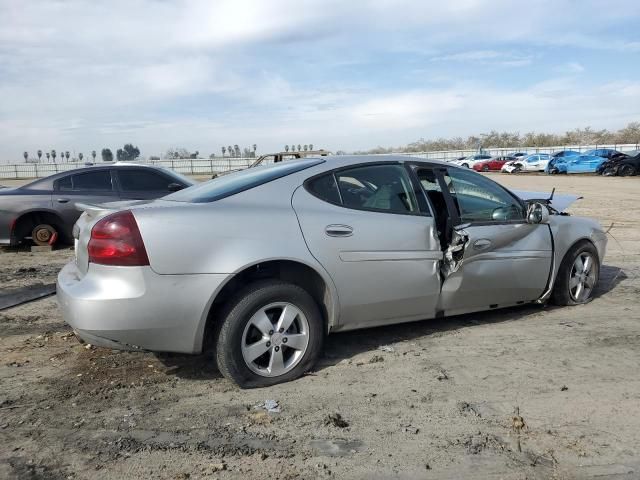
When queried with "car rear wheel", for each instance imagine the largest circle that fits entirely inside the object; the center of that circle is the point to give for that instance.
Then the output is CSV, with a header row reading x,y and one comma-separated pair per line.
x,y
465,165
626,171
485,168
44,234
578,275
272,332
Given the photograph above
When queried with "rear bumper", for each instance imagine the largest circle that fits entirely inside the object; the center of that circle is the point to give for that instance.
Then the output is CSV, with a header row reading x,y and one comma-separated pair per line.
x,y
134,308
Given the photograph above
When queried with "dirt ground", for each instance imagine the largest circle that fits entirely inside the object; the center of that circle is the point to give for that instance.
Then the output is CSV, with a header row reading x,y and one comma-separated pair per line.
x,y
529,393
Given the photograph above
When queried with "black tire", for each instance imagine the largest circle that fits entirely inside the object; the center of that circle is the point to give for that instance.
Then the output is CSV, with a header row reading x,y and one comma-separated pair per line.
x,y
43,234
561,294
236,316
626,171
465,165
485,168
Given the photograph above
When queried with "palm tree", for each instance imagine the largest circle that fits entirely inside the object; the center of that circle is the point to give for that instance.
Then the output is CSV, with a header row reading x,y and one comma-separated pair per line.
x,y
39,155
197,153
311,146
48,155
286,148
223,150
54,154
66,154
25,155
299,147
255,147
80,156
230,150
306,147
293,148
93,155
236,148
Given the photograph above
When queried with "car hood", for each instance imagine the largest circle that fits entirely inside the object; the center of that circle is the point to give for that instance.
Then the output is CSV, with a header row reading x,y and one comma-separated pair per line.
x,y
560,202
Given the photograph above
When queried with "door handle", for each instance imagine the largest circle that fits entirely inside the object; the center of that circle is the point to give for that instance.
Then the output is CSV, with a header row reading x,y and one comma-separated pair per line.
x,y
481,244
338,230
63,200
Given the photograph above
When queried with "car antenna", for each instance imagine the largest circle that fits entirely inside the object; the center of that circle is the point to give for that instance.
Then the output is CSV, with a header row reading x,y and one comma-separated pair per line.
x,y
552,192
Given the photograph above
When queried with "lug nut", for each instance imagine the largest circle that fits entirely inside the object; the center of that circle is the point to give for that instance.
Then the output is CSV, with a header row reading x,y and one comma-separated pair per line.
x,y
277,349
268,344
284,340
270,332
281,330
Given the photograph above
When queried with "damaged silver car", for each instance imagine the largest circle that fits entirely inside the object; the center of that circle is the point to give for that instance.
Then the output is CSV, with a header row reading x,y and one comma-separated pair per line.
x,y
265,262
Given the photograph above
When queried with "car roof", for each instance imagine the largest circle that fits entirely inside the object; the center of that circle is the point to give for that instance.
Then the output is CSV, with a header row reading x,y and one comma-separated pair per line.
x,y
338,161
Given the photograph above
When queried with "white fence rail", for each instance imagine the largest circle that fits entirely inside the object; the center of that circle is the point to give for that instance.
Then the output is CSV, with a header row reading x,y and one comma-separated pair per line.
x,y
216,165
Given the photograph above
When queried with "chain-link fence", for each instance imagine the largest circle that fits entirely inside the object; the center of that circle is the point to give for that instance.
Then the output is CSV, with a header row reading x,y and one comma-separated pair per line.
x,y
203,166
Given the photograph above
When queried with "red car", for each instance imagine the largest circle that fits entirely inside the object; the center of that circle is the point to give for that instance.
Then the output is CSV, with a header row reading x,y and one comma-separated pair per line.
x,y
494,163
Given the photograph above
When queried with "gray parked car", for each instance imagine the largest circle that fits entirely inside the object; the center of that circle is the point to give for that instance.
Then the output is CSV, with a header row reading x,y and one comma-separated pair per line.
x,y
265,262
45,210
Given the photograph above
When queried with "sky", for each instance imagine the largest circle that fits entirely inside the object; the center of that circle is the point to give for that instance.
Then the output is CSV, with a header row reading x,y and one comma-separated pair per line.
x,y
341,75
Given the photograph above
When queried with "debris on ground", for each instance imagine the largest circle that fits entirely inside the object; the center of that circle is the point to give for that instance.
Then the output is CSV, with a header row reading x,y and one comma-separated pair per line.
x,y
410,429
376,359
465,407
336,420
387,348
442,375
271,406
564,388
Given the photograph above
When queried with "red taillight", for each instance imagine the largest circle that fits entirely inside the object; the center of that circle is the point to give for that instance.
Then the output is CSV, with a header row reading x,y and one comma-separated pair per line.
x,y
116,240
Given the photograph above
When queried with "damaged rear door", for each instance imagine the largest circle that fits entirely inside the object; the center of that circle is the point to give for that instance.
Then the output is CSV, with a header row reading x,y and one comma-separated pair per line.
x,y
492,256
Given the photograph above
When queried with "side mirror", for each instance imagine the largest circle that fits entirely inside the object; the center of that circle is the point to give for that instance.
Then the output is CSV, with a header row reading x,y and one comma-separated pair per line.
x,y
174,187
537,213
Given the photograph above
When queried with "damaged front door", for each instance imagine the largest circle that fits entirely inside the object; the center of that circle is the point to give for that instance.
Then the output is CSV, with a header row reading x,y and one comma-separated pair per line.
x,y
492,256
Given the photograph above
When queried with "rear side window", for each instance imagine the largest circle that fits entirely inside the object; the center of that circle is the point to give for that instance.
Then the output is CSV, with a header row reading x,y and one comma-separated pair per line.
x,y
325,188
90,181
237,182
383,188
137,180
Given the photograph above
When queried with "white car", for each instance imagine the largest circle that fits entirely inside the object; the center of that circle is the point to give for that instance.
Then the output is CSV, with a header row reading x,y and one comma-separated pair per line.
x,y
536,162
471,160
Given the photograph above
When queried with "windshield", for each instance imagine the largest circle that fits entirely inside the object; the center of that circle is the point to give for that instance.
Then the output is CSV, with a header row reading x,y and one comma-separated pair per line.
x,y
237,182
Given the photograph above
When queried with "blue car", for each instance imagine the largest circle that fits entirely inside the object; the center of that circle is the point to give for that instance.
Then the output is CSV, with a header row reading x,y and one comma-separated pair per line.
x,y
559,157
603,152
575,164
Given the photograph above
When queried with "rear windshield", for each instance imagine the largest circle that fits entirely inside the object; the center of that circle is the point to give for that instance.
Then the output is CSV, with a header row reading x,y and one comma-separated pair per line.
x,y
237,182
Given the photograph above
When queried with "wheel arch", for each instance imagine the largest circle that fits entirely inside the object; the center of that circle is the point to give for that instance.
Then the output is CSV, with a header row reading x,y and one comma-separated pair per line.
x,y
25,222
311,278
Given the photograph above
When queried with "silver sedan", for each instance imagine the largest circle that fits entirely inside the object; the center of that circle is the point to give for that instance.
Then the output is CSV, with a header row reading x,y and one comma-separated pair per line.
x,y
265,262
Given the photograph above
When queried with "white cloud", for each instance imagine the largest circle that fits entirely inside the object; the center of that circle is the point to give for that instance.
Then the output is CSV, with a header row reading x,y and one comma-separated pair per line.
x,y
78,74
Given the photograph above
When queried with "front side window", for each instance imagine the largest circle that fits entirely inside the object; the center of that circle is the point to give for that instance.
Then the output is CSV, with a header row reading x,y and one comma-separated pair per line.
x,y
91,181
482,200
383,188
138,180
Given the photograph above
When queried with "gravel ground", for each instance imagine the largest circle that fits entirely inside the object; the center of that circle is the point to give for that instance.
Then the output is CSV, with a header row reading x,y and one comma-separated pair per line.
x,y
529,393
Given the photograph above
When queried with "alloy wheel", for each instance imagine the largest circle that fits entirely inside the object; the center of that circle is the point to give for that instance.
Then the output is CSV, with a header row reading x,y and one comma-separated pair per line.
x,y
275,339
583,277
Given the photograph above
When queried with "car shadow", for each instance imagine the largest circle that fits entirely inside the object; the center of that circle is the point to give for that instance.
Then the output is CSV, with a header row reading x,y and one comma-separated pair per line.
x,y
346,345
191,367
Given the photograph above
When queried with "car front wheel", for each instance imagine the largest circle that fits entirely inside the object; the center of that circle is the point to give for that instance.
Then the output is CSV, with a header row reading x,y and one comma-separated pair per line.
x,y
272,332
577,276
